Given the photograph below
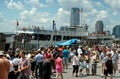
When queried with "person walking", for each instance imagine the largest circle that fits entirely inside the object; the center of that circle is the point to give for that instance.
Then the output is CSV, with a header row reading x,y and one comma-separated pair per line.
x,y
108,66
82,63
46,69
87,62
75,64
38,58
4,66
65,57
114,61
59,66
94,64
102,56
24,66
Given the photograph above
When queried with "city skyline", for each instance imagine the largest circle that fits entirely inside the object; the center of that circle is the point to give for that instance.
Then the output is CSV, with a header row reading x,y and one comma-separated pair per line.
x,y
43,12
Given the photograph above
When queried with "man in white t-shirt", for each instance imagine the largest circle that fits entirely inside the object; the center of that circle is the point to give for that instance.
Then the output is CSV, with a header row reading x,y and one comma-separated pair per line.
x,y
79,50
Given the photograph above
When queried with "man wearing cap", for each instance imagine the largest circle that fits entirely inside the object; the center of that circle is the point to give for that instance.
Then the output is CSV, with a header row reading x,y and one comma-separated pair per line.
x,y
4,66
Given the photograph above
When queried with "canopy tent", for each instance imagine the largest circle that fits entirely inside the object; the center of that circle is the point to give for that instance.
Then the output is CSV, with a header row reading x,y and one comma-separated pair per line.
x,y
69,42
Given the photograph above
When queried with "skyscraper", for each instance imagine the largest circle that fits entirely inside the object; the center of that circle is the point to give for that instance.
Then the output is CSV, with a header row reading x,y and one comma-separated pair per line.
x,y
116,31
99,26
75,17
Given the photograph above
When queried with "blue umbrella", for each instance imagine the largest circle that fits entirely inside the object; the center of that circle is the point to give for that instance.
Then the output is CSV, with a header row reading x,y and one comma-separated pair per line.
x,y
69,42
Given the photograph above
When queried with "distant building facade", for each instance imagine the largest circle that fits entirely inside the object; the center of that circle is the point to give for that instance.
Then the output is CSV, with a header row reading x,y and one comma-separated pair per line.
x,y
116,31
75,17
99,27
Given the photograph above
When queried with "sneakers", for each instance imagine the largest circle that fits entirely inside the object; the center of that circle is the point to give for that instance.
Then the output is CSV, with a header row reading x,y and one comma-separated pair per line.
x,y
75,75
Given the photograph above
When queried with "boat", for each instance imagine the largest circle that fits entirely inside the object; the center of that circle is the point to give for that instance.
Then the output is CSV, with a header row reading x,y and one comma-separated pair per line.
x,y
35,37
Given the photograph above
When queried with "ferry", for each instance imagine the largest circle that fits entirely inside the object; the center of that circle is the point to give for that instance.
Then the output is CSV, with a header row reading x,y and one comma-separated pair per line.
x,y
35,37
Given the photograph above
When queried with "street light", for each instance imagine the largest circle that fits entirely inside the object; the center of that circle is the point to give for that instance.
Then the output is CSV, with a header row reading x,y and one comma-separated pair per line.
x,y
38,41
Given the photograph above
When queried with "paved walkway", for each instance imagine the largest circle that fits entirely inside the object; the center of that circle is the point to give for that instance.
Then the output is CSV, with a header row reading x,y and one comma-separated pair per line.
x,y
68,74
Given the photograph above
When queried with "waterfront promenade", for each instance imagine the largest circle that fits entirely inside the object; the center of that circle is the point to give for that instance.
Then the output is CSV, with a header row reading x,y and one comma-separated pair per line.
x,y
68,74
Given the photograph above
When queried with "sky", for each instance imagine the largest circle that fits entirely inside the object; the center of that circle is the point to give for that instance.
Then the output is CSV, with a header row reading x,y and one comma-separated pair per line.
x,y
43,12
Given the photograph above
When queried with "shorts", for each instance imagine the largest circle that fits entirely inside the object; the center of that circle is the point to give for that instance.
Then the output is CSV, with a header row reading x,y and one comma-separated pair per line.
x,y
108,71
115,66
87,65
65,60
82,65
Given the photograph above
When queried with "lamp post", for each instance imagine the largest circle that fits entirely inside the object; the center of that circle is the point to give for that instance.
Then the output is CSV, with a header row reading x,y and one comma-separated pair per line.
x,y
38,40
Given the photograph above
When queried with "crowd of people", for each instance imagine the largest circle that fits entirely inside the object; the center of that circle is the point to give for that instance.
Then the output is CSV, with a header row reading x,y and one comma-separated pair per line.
x,y
42,63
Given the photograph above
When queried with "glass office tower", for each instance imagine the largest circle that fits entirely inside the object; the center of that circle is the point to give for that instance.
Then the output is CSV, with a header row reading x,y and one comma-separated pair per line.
x,y
75,17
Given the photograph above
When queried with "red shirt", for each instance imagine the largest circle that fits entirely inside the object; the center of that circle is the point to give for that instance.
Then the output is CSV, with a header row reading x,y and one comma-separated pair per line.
x,y
47,56
60,51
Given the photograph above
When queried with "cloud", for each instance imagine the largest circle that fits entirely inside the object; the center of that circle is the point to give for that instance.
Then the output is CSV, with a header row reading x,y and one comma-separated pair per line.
x,y
4,24
63,17
33,17
115,13
68,4
14,5
115,4
50,2
2,19
33,11
102,15
25,14
35,3
98,4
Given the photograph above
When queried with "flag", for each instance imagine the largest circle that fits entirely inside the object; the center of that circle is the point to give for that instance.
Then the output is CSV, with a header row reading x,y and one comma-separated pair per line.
x,y
17,23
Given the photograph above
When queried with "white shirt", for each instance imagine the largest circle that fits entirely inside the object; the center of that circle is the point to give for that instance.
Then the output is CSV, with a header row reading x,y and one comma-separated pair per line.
x,y
75,60
11,66
79,50
16,61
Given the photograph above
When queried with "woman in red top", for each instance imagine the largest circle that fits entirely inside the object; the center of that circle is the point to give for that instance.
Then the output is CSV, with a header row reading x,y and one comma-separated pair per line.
x,y
47,54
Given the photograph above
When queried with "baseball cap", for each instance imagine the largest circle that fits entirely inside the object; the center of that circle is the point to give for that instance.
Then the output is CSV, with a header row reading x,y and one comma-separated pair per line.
x,y
1,53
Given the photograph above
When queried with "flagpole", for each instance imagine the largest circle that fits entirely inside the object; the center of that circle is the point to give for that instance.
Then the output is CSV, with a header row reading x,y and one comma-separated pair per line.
x,y
17,24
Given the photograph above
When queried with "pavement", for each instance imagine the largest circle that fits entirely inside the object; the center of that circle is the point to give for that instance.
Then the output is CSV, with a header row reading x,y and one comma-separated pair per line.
x,y
67,74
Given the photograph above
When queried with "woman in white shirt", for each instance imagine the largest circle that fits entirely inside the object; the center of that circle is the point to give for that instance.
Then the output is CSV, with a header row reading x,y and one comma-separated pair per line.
x,y
75,64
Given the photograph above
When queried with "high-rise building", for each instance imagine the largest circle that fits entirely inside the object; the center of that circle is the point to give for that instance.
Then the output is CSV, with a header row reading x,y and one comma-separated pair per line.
x,y
116,31
99,26
75,17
